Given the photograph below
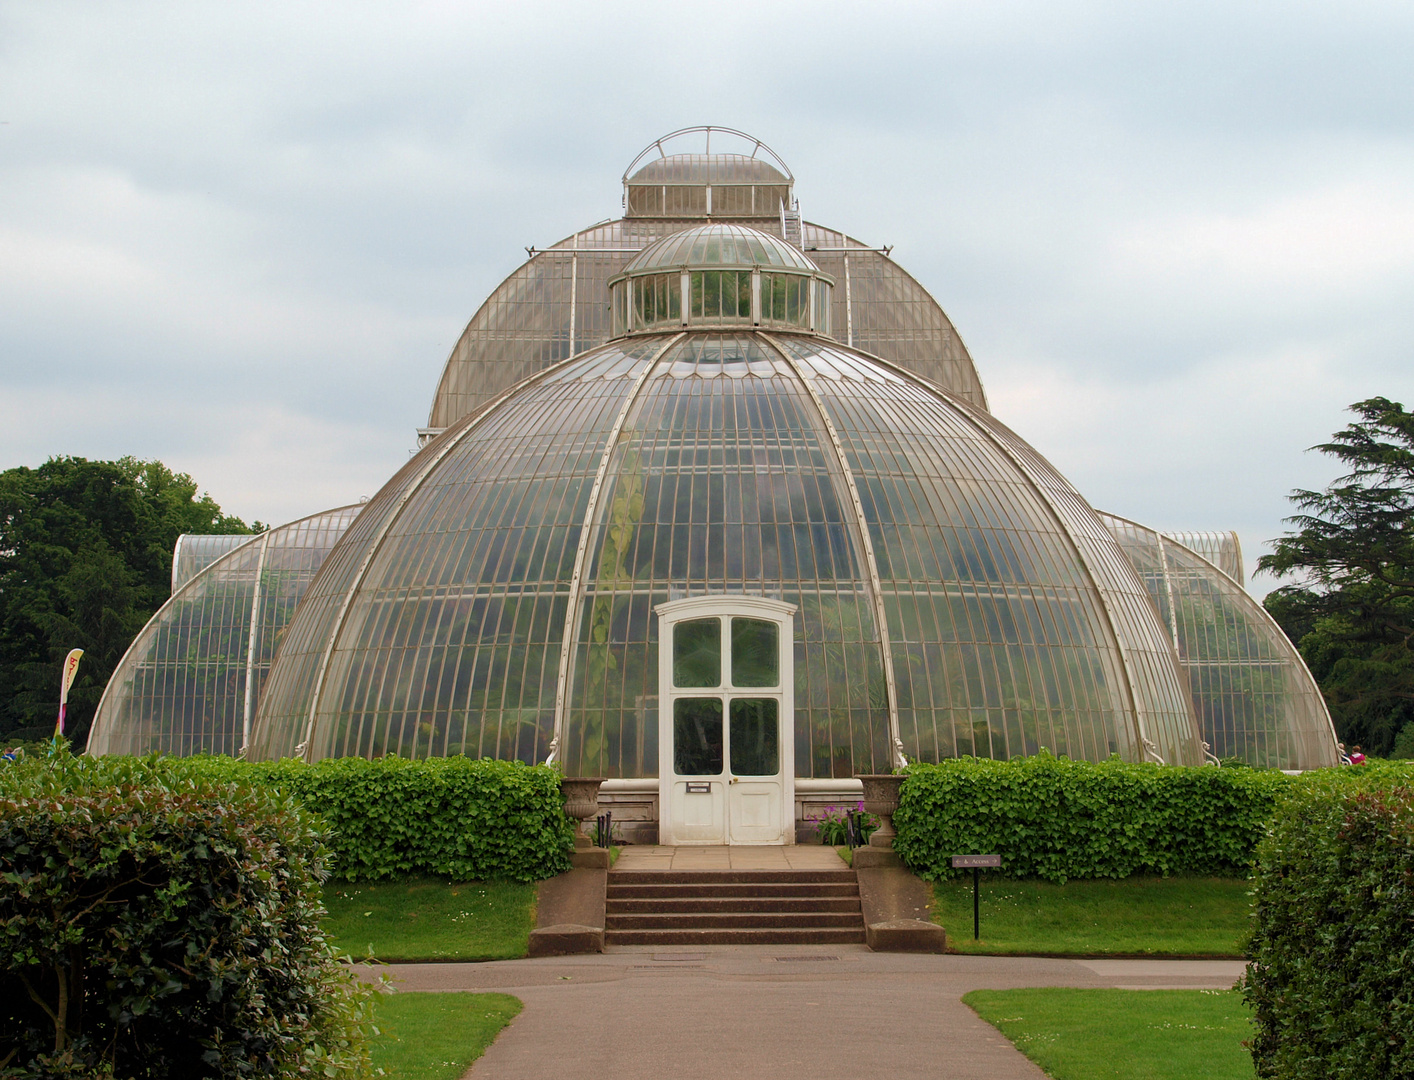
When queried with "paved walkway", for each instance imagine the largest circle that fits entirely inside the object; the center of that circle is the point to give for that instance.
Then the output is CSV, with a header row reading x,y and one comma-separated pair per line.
x,y
836,1013
737,857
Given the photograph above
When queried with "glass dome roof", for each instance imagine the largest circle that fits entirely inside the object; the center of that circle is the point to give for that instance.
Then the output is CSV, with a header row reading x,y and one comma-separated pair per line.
x,y
189,682
955,595
720,245
1255,698
708,169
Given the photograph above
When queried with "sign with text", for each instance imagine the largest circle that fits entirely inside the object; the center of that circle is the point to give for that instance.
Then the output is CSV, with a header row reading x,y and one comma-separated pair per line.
x,y
970,862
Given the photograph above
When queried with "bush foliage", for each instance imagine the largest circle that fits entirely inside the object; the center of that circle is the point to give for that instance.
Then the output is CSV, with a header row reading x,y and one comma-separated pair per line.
x,y
158,923
456,817
1333,941
1056,819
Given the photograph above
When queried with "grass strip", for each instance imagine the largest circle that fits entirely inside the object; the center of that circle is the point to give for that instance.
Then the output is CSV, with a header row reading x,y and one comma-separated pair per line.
x,y
1124,1034
436,1036
1138,916
427,919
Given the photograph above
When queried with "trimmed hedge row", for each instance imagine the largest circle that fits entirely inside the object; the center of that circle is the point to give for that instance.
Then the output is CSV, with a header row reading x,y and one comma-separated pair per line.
x,y
156,923
1333,943
462,818
1056,819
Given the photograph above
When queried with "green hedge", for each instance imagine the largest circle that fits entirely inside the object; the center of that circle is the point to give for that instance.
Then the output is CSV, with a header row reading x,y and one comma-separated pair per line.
x,y
157,923
1056,819
456,817
1333,943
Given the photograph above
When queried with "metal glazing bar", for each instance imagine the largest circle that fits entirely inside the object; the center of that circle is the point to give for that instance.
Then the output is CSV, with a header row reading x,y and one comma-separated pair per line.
x,y
967,411
871,564
256,602
574,289
1168,591
848,307
377,545
534,251
562,679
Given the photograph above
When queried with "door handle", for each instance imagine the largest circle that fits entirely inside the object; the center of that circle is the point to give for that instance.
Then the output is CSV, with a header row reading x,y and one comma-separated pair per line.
x,y
733,780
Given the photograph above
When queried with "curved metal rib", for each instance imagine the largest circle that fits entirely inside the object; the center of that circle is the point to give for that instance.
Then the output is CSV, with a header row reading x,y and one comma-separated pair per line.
x,y
871,564
562,679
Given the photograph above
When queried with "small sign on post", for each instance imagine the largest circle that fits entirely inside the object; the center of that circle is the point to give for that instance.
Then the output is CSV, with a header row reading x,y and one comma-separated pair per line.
x,y
975,863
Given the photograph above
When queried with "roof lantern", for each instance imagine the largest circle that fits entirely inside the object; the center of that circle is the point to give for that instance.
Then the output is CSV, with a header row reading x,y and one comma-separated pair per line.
x,y
730,275
681,175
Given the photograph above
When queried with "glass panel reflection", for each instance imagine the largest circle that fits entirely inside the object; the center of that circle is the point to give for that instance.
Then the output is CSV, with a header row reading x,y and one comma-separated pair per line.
x,y
755,653
697,653
755,737
697,736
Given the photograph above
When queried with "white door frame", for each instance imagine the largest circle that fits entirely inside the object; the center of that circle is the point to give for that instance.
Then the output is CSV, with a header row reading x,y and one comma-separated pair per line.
x,y
724,606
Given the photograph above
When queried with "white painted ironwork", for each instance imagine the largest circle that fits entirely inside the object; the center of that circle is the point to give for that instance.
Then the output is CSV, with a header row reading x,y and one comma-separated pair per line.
x,y
572,606
866,544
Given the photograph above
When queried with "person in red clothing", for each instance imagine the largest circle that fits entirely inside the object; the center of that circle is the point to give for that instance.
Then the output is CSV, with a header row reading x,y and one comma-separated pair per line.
x,y
1357,756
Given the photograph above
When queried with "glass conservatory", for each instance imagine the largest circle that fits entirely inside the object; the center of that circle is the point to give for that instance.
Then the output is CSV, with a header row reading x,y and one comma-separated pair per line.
x,y
669,526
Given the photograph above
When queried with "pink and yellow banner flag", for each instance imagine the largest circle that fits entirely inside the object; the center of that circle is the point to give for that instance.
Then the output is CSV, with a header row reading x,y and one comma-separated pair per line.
x,y
71,668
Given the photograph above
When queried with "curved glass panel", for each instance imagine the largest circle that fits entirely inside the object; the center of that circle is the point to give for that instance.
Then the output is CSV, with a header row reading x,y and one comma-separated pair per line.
x,y
1222,549
552,307
1015,621
1254,696
722,482
719,245
182,687
194,552
708,169
435,627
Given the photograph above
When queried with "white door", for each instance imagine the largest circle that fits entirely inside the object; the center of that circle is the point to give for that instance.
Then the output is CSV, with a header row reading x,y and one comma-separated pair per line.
x,y
726,767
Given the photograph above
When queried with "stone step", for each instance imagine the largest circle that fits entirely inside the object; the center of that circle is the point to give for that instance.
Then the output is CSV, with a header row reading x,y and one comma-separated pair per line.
x,y
692,905
775,936
617,890
728,877
718,920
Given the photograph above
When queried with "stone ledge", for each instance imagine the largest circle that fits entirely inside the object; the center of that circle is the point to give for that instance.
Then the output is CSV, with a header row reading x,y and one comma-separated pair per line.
x,y
895,905
566,939
569,912
906,935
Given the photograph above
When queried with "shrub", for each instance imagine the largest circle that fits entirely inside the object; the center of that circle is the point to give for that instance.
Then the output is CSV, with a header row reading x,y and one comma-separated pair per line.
x,y
1055,819
155,923
456,817
1333,938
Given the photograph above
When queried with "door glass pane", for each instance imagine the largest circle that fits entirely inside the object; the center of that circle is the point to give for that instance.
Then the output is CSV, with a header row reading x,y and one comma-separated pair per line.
x,y
756,659
697,653
755,737
697,736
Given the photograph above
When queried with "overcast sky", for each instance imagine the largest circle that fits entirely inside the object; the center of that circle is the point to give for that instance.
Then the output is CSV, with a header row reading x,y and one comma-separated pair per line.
x,y
242,238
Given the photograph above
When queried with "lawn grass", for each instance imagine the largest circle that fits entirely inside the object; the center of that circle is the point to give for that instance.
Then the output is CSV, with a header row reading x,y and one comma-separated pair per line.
x,y
1139,916
430,919
436,1036
1124,1034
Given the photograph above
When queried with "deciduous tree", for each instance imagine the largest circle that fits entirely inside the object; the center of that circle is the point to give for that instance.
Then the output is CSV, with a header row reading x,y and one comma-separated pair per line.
x,y
85,559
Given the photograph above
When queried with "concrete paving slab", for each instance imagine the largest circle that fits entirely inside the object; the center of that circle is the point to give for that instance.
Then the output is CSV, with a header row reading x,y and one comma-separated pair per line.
x,y
763,1011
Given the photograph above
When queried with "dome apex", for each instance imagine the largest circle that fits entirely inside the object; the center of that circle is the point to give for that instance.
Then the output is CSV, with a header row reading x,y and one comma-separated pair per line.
x,y
717,246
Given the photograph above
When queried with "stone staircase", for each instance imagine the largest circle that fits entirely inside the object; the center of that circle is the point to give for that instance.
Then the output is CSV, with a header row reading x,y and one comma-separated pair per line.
x,y
733,907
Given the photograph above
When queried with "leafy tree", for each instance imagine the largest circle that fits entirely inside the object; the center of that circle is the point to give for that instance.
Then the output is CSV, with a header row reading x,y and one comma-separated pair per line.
x,y
1352,612
85,559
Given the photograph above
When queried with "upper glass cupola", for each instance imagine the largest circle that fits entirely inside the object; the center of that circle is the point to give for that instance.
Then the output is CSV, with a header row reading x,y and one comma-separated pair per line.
x,y
720,275
744,178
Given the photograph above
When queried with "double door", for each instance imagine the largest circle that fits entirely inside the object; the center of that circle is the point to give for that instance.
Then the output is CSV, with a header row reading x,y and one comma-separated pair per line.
x,y
726,769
